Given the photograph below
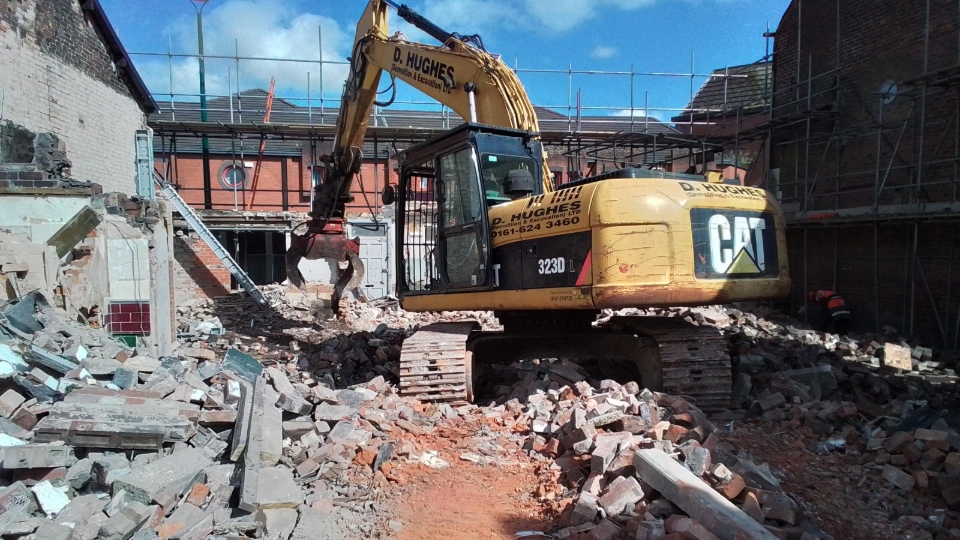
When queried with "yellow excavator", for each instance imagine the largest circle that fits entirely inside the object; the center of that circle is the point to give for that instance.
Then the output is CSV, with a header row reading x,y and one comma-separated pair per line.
x,y
480,226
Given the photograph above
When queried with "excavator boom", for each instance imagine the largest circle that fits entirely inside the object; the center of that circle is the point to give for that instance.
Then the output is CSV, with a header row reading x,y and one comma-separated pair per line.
x,y
473,83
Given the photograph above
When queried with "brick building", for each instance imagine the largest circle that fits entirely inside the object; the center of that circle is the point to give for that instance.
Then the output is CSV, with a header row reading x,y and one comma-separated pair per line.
x,y
731,103
865,141
64,71
71,104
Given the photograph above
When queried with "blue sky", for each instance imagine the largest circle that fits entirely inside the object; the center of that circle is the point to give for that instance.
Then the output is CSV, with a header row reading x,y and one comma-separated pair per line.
x,y
647,36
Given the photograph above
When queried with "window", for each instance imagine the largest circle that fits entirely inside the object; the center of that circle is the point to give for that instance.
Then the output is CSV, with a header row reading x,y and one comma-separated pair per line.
x,y
420,217
494,168
461,200
316,175
462,208
232,176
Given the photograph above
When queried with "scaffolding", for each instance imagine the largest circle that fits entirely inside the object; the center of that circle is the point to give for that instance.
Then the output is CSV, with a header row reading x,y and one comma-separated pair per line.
x,y
579,131
886,166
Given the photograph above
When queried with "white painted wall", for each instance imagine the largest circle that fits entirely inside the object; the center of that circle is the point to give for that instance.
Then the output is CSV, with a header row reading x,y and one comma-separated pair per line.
x,y
128,257
38,217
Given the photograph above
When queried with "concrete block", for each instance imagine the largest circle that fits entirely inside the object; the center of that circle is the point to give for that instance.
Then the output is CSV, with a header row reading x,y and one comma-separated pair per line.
x,y
696,498
241,430
107,468
585,510
178,471
267,427
334,413
119,527
89,529
295,429
197,352
9,401
314,525
125,378
289,400
277,489
51,500
38,456
242,365
279,523
79,510
697,460
52,531
8,427
621,495
898,478
771,401
184,518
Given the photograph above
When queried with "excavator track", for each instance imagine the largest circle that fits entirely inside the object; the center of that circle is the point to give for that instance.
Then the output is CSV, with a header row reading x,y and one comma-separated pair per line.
x,y
695,360
435,364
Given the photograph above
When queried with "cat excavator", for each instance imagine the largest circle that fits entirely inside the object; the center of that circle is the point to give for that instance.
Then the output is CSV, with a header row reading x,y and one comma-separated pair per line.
x,y
481,226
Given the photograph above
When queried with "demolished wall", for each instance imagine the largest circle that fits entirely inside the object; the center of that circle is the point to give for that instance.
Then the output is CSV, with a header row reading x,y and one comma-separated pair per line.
x,y
115,275
56,75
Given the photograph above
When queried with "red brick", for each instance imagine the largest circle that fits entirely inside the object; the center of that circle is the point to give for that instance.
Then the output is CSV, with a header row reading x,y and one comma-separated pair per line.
x,y
198,495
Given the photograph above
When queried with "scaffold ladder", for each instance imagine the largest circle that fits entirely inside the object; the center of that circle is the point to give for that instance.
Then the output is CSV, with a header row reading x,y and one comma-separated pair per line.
x,y
207,236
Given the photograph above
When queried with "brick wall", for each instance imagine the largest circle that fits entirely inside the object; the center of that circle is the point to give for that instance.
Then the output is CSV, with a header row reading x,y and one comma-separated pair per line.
x,y
923,298
197,272
879,41
834,79
57,76
186,170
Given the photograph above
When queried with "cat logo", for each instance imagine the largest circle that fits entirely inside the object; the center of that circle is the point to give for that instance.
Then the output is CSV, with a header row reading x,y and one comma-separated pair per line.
x,y
737,249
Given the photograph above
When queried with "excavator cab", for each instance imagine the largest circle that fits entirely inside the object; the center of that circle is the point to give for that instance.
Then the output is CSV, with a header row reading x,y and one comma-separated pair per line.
x,y
446,186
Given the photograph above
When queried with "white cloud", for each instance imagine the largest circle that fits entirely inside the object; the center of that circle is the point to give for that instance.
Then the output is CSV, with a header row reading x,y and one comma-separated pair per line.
x,y
468,16
561,15
603,51
253,28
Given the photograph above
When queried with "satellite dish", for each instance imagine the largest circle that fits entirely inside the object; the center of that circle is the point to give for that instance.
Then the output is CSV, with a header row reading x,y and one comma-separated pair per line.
x,y
888,92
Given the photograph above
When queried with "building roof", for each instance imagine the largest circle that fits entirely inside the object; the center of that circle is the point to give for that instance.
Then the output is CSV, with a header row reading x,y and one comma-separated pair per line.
x,y
118,54
745,87
250,106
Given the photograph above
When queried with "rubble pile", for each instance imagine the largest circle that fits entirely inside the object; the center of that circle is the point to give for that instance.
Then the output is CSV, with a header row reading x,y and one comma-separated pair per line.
x,y
100,441
645,465
364,316
888,407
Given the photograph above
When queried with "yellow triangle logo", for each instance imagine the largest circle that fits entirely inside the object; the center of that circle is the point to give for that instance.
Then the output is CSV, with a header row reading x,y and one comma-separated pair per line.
x,y
743,264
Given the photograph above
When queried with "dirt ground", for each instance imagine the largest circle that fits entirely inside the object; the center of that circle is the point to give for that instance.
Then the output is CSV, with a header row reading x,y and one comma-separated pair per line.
x,y
469,501
507,494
